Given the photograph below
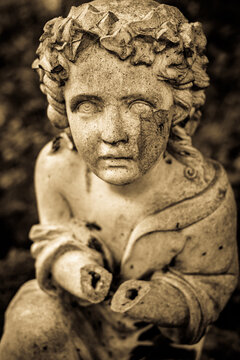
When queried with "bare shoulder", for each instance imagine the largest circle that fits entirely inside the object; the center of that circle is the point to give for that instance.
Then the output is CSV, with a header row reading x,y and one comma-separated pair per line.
x,y
58,161
58,166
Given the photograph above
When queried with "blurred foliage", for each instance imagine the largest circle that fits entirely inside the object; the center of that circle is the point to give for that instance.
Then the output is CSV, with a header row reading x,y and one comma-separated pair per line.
x,y
24,128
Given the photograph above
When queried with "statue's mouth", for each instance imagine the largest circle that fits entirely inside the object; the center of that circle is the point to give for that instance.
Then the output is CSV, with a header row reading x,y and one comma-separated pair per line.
x,y
116,157
113,161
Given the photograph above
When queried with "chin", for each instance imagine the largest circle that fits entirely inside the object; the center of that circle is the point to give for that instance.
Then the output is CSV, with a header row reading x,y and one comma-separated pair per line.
x,y
116,176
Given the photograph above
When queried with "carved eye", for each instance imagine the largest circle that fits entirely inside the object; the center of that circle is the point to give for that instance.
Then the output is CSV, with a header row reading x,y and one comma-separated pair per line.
x,y
140,107
87,107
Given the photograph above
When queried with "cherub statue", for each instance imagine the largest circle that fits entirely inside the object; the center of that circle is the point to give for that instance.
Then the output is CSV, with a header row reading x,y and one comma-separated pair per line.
x,y
137,228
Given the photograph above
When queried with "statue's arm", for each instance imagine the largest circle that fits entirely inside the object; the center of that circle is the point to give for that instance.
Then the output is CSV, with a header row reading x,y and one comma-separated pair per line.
x,y
187,303
63,246
189,294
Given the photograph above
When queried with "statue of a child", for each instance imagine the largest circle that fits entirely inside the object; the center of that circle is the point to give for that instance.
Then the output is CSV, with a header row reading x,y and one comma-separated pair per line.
x,y
137,228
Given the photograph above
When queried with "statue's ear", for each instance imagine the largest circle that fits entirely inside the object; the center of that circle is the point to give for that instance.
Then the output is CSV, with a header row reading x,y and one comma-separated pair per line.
x,y
59,120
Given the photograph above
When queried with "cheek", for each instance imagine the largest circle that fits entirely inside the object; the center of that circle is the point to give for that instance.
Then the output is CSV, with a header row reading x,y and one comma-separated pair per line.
x,y
153,138
85,139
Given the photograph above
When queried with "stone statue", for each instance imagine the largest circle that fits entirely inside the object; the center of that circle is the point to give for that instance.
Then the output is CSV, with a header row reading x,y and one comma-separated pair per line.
x,y
137,228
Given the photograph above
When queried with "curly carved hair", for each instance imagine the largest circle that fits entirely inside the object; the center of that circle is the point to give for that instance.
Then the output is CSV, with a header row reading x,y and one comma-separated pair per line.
x,y
138,31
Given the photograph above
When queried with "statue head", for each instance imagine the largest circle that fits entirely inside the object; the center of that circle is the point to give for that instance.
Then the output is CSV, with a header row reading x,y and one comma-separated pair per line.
x,y
146,54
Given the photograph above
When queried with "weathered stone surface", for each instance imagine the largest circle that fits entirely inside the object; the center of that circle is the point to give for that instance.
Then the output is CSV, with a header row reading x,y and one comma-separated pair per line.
x,y
137,229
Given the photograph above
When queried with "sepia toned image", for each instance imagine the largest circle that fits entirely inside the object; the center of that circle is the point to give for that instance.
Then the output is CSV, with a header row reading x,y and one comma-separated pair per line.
x,y
120,180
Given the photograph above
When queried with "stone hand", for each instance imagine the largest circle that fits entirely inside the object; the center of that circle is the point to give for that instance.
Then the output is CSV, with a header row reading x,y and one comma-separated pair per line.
x,y
82,275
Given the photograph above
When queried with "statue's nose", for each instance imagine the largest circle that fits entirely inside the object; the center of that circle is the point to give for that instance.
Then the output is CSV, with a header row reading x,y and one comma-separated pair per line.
x,y
112,126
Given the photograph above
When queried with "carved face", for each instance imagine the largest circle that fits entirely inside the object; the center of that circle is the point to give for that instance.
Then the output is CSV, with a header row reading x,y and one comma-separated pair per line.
x,y
119,115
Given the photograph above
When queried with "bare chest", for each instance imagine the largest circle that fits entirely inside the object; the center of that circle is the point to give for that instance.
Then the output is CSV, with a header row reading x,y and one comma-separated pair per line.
x,y
116,216
116,213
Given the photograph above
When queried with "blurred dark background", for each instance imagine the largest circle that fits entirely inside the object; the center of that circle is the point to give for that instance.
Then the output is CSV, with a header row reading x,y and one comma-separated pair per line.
x,y
25,129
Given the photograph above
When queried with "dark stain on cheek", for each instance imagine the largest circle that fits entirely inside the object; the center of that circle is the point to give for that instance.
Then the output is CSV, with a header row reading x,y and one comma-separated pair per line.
x,y
153,134
140,142
146,116
147,142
